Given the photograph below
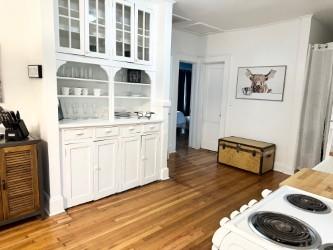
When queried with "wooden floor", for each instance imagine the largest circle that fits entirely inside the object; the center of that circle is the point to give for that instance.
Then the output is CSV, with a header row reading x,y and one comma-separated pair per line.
x,y
181,213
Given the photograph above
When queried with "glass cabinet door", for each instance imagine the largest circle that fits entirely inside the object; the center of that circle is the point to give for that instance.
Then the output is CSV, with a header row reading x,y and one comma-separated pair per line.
x,y
69,29
143,35
124,27
97,26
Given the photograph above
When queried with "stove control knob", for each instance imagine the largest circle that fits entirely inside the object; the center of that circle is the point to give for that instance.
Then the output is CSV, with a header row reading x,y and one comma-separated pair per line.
x,y
234,214
252,202
223,221
243,208
265,193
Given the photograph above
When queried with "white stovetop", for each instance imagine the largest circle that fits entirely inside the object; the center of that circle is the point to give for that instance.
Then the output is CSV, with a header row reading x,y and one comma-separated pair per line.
x,y
275,202
68,123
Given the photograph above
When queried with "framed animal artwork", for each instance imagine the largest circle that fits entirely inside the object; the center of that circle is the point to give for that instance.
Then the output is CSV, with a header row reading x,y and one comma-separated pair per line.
x,y
261,83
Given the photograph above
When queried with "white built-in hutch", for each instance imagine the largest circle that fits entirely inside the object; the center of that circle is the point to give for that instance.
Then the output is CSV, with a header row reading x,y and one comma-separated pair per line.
x,y
106,65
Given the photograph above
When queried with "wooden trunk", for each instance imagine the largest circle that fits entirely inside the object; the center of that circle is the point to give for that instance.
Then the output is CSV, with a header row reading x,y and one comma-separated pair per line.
x,y
20,195
254,156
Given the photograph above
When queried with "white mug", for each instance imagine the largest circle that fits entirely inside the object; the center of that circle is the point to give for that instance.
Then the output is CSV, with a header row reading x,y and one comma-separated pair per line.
x,y
77,91
85,91
65,90
97,92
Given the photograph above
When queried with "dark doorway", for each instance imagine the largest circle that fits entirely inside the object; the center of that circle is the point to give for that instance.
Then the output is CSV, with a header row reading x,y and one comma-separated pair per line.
x,y
184,105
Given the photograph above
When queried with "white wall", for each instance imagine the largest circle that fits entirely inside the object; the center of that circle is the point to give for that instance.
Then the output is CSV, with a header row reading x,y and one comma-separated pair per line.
x,y
282,43
20,42
184,43
26,39
320,33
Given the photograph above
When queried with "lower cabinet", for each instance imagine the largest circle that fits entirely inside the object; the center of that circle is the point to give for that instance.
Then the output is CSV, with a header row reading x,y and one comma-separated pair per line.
x,y
130,174
96,169
151,158
20,184
78,172
105,169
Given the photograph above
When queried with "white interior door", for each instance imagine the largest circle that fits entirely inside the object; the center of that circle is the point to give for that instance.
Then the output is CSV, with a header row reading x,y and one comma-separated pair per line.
x,y
212,105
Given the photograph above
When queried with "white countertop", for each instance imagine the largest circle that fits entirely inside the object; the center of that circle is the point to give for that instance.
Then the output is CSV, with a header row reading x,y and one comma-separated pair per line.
x,y
67,123
325,166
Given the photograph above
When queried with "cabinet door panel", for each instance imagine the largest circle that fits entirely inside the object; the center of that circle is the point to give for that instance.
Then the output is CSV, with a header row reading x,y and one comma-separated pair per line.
x,y
130,169
150,152
78,173
143,20
70,26
97,27
106,165
20,189
123,31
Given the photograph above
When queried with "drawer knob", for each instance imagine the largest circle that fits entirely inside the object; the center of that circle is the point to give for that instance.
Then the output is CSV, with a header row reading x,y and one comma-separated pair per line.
x,y
243,208
131,129
234,214
265,193
108,131
223,221
81,133
252,202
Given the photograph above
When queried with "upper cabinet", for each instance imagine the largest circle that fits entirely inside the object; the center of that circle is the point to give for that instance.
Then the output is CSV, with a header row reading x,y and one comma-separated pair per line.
x,y
97,28
143,35
70,26
119,29
124,27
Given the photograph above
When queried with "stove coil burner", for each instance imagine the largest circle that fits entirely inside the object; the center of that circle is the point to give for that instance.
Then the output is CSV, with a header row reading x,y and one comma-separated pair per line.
x,y
328,246
308,203
284,230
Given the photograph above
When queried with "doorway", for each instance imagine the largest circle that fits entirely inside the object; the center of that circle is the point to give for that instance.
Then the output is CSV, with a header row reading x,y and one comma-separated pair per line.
x,y
183,120
212,105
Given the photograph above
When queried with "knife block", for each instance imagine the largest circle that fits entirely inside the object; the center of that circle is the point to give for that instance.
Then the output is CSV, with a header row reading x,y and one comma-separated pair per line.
x,y
18,133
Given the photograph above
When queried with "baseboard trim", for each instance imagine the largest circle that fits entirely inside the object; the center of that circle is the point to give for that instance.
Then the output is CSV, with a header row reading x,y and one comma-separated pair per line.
x,y
54,205
283,169
164,174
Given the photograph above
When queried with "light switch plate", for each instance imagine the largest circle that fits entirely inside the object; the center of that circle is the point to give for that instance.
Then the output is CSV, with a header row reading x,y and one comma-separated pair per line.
x,y
35,71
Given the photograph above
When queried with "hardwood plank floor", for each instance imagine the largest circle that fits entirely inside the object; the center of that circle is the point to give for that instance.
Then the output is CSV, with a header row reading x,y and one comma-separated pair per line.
x,y
180,213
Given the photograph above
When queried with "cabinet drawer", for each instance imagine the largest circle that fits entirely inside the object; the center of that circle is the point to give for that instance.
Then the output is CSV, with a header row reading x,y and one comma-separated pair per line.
x,y
107,132
151,128
131,130
77,134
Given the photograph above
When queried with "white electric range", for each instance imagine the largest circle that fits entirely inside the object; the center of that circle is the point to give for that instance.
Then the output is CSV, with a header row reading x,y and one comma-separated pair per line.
x,y
288,218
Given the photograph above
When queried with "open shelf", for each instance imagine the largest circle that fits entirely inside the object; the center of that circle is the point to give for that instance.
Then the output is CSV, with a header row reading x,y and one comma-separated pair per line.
x,y
85,76
81,79
134,83
82,96
132,97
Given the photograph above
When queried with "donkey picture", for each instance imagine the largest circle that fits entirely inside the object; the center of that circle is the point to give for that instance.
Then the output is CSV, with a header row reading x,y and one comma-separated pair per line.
x,y
259,81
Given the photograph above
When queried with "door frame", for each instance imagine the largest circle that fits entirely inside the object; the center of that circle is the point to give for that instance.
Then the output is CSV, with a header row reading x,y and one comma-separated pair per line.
x,y
226,61
176,60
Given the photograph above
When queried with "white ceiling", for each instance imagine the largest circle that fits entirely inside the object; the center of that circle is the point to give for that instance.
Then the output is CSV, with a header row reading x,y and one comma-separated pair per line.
x,y
236,14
